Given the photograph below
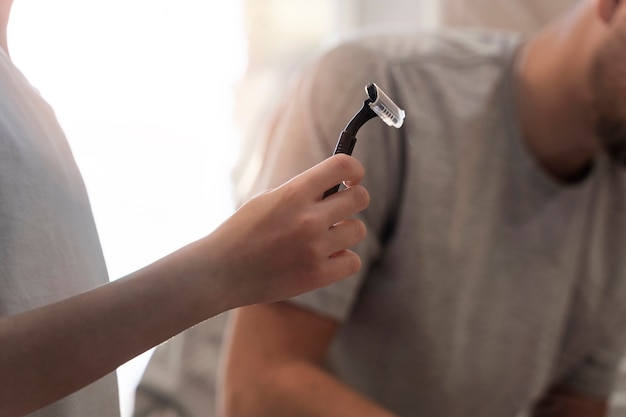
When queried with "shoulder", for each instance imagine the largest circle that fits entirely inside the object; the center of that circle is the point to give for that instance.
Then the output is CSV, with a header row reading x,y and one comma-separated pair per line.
x,y
373,51
406,62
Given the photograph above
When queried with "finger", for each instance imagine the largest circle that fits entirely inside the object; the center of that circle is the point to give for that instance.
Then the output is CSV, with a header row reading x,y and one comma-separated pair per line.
x,y
346,234
341,265
334,170
344,204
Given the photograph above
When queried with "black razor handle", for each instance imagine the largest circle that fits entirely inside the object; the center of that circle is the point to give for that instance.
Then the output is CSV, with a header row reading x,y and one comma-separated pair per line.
x,y
345,144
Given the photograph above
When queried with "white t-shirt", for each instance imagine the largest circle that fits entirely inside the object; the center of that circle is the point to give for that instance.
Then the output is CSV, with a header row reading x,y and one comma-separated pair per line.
x,y
49,247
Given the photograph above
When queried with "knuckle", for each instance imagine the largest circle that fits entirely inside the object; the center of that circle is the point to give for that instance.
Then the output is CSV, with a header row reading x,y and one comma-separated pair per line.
x,y
309,224
355,265
317,270
348,166
343,162
354,232
361,196
312,253
360,230
289,192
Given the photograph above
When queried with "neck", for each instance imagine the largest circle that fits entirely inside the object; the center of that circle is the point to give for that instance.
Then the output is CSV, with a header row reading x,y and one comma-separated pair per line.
x,y
553,95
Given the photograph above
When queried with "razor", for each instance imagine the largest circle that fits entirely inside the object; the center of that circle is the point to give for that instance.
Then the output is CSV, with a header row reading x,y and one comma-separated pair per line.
x,y
377,104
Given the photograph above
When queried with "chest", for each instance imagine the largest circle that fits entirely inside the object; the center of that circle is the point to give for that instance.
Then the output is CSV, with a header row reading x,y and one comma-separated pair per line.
x,y
499,279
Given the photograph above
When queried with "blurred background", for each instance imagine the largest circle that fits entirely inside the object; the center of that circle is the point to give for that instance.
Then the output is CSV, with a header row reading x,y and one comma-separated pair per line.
x,y
161,99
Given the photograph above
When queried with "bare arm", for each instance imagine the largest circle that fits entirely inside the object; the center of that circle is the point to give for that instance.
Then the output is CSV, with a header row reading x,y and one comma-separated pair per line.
x,y
47,353
273,367
563,402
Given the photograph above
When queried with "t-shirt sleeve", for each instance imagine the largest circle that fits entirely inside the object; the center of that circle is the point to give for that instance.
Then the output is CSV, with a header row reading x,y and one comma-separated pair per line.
x,y
303,131
598,371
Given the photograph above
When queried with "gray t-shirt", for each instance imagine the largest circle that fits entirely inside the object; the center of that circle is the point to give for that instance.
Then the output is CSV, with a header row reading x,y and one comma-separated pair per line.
x,y
49,248
485,280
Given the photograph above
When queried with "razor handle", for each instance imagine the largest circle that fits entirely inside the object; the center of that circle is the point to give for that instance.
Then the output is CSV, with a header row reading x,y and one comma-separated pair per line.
x,y
345,144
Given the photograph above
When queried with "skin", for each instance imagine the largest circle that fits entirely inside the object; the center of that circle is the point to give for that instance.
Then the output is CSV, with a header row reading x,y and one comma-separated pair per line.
x,y
281,243
275,351
72,343
5,11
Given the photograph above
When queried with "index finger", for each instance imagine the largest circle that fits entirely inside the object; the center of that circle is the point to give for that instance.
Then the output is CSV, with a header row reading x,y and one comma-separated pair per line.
x,y
333,170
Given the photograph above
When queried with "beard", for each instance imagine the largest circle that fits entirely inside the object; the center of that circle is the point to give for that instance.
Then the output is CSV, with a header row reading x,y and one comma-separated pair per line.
x,y
608,92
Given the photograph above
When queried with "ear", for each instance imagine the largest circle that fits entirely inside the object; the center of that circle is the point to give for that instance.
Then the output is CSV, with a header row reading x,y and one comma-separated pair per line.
x,y
607,9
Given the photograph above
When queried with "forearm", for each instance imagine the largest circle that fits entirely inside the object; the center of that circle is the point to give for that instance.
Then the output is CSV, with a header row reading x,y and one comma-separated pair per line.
x,y
272,367
253,257
564,402
47,353
299,389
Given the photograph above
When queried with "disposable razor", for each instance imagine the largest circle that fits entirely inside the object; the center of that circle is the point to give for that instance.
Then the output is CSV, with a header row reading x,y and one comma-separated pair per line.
x,y
377,104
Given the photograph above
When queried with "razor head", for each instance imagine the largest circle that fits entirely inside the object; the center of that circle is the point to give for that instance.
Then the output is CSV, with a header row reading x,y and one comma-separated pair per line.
x,y
384,107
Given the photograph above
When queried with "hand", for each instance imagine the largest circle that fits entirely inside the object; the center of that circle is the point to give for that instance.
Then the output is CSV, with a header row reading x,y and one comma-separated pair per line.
x,y
280,244
289,240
